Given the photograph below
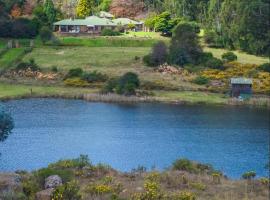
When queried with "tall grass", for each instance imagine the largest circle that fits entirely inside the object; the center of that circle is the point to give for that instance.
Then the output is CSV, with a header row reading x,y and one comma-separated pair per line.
x,y
10,57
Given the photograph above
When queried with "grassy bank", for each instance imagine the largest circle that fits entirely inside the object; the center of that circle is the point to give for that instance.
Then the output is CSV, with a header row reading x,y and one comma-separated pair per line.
x,y
12,91
10,56
184,180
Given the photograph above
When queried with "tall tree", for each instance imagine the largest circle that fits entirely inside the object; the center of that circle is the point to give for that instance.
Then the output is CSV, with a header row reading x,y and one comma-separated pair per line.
x,y
85,8
50,11
185,47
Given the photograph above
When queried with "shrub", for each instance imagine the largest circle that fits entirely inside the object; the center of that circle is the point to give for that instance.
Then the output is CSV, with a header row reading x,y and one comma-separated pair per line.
x,y
184,196
201,80
30,188
198,186
249,175
98,189
42,174
215,63
28,65
158,55
68,191
184,165
110,32
76,82
94,77
76,72
80,162
6,124
265,67
54,69
264,181
45,34
229,57
110,86
128,83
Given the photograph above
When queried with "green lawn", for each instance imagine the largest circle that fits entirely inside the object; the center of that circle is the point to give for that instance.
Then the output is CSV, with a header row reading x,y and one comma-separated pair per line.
x,y
12,91
192,97
89,58
10,56
141,34
242,56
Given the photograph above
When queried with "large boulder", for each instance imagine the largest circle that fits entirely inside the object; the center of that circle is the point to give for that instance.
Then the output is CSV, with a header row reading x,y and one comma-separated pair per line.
x,y
53,181
10,182
44,194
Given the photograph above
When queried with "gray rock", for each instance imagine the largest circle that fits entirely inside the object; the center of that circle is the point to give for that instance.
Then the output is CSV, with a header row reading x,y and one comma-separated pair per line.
x,y
52,181
10,182
44,194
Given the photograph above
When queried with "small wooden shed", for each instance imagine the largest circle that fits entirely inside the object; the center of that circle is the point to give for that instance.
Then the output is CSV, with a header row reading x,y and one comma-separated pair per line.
x,y
241,87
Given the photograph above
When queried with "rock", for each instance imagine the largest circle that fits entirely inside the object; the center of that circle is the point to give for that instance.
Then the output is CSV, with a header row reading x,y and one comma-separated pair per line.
x,y
44,194
10,182
52,181
139,189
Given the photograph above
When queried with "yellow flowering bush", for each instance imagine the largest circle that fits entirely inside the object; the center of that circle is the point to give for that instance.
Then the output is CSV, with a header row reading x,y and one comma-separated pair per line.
x,y
98,189
261,80
185,195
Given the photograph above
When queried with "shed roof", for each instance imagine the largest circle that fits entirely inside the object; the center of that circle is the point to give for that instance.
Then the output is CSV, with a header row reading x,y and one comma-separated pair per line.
x,y
126,21
88,21
241,80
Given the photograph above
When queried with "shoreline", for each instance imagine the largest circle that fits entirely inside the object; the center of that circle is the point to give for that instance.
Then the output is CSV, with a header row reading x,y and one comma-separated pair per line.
x,y
115,98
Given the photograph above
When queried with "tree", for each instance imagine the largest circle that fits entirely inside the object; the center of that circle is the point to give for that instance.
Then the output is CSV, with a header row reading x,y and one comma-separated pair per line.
x,y
158,55
6,124
84,8
50,11
185,47
45,34
105,5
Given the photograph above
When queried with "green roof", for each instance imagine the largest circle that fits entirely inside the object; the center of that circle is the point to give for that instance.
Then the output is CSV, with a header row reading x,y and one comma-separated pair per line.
x,y
241,81
88,21
126,21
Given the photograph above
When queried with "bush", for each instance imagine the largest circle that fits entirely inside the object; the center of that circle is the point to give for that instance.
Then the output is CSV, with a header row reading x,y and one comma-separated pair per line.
x,y
30,188
80,162
28,65
201,80
76,82
265,67
76,72
45,34
126,84
94,77
109,32
68,191
6,124
54,69
184,165
158,55
184,196
229,57
249,175
215,63
42,174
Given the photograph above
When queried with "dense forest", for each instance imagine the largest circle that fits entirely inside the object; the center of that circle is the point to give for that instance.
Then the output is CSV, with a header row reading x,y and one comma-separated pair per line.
x,y
233,24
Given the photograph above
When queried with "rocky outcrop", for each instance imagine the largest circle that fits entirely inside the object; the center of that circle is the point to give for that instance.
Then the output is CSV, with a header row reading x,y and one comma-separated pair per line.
x,y
44,194
52,182
10,182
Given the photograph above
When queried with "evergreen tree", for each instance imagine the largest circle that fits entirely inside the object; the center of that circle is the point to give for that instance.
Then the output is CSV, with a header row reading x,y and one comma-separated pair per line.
x,y
50,11
185,47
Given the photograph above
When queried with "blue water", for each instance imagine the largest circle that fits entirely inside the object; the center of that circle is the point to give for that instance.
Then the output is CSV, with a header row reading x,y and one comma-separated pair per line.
x,y
232,139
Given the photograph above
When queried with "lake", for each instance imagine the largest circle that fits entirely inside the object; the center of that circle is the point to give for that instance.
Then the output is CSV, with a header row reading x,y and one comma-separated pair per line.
x,y
232,139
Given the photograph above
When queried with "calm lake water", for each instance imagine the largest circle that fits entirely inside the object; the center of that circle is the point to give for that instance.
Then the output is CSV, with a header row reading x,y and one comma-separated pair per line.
x,y
232,139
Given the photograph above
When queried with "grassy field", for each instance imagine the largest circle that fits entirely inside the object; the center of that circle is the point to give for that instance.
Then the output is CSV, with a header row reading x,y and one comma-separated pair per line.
x,y
242,56
10,56
16,91
89,58
192,97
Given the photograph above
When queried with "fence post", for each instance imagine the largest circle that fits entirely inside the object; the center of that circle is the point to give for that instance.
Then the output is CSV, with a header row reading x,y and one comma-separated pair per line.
x,y
32,43
9,44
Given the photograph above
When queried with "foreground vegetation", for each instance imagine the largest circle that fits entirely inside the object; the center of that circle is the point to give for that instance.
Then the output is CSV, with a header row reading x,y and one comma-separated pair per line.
x,y
184,180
